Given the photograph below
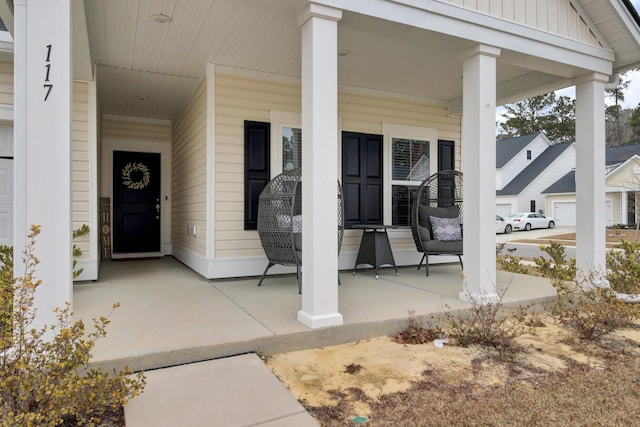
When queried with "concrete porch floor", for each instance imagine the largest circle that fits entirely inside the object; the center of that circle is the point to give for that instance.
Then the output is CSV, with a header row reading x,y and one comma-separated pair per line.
x,y
170,315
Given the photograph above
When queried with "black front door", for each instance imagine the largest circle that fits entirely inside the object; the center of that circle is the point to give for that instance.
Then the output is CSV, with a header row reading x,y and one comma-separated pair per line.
x,y
136,202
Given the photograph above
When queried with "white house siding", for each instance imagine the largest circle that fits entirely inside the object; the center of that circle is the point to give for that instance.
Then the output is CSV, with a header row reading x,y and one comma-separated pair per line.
x,y
128,128
554,16
240,98
6,83
519,161
80,165
367,113
189,174
627,176
556,170
80,155
616,214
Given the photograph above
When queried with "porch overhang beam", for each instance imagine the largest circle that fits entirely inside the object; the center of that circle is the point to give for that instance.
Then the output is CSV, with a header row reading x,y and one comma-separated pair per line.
x,y
484,29
525,86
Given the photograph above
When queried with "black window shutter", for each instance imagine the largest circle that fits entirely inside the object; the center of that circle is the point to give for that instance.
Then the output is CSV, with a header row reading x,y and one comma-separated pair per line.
x,y
257,142
362,178
446,161
446,155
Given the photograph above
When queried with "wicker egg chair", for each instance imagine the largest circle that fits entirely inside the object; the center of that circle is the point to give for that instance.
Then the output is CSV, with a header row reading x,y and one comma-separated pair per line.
x,y
439,196
280,221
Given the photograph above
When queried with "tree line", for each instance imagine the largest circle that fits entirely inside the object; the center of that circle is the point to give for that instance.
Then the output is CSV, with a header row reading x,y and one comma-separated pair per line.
x,y
554,116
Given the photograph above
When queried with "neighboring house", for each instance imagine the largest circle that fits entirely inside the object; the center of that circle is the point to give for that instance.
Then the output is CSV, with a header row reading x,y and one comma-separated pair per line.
x,y
525,166
622,186
178,112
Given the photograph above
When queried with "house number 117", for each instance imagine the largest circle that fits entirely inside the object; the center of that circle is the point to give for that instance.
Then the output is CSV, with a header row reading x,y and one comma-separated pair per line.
x,y
48,86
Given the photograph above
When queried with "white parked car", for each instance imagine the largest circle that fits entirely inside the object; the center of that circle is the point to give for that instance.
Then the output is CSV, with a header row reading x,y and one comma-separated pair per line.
x,y
529,220
503,225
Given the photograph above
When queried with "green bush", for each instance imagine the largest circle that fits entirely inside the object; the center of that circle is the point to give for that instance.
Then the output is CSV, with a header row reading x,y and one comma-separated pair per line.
x,y
556,268
44,373
509,262
624,268
6,291
587,303
590,307
82,231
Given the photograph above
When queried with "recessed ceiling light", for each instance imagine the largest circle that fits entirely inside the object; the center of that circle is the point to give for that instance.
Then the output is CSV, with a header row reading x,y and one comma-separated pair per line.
x,y
161,18
344,52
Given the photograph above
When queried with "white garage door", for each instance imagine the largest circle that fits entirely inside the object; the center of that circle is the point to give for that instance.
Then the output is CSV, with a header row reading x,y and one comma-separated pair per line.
x,y
564,213
504,210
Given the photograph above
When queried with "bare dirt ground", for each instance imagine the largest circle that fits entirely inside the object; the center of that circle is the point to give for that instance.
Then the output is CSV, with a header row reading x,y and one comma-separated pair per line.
x,y
381,382
556,379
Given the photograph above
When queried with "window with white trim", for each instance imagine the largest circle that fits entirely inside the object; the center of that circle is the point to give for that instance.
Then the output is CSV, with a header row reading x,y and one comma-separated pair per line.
x,y
291,148
286,134
410,166
411,158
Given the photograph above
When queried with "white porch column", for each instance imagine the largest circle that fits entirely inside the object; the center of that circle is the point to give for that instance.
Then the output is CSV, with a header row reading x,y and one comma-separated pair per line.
x,y
319,166
590,173
479,168
43,146
624,207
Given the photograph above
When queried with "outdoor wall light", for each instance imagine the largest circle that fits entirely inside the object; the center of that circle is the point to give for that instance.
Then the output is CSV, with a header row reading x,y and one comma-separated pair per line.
x,y
161,18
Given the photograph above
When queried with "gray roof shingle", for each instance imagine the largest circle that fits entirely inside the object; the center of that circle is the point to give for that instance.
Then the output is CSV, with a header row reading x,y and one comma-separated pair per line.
x,y
613,156
566,184
620,154
534,169
507,148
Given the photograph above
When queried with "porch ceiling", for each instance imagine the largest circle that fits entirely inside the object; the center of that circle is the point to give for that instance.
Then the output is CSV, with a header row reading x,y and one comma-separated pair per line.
x,y
137,57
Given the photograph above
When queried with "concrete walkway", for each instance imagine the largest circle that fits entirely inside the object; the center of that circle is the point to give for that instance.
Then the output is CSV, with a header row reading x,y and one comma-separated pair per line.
x,y
172,318
235,391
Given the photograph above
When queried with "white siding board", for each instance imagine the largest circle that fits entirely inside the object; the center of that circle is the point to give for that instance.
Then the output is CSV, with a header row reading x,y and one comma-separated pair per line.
x,y
6,83
553,16
556,170
121,127
519,161
189,174
239,99
80,164
542,15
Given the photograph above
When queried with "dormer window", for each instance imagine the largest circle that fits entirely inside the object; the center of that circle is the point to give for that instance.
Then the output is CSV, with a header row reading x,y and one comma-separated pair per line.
x,y
528,154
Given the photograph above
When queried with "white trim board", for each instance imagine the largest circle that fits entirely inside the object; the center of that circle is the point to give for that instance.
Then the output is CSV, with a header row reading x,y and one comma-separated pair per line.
x,y
246,267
